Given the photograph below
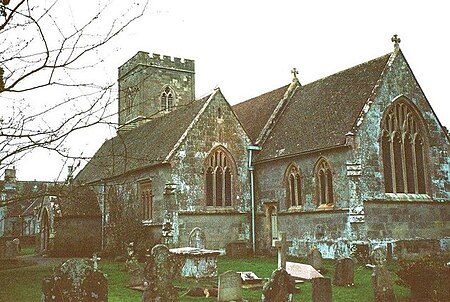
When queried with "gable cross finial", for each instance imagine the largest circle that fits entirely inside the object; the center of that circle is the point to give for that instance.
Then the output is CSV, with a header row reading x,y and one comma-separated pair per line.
x,y
294,72
396,40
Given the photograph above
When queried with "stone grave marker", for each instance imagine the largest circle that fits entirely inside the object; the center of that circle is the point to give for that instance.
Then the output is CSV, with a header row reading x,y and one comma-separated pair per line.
x,y
315,259
11,249
321,290
344,274
280,287
281,245
134,269
159,274
75,280
197,238
381,280
230,287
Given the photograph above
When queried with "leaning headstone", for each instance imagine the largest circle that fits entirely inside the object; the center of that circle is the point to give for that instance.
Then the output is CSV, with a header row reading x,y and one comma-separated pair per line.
x,y
315,259
75,280
344,274
229,287
381,280
197,238
321,290
159,276
280,287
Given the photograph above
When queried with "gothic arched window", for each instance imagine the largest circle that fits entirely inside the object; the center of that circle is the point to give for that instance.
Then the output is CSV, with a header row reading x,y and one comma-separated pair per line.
x,y
293,187
402,148
219,178
324,181
167,99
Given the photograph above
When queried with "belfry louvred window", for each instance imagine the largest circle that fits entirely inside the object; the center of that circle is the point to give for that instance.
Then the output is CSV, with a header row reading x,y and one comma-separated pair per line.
x,y
402,147
219,178
167,99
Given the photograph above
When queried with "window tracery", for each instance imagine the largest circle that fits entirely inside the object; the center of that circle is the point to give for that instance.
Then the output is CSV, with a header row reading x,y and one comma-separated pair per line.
x,y
402,148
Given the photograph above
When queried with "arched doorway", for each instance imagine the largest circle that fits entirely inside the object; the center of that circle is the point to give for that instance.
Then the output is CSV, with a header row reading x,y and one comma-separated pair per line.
x,y
45,230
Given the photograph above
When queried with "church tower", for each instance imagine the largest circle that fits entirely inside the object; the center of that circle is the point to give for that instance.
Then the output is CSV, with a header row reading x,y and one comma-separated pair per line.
x,y
151,85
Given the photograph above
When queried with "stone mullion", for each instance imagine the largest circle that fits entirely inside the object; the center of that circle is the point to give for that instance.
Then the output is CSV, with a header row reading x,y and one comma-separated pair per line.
x,y
414,156
392,159
403,159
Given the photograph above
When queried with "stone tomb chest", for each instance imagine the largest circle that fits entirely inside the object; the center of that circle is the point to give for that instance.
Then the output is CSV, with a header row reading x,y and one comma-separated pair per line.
x,y
196,262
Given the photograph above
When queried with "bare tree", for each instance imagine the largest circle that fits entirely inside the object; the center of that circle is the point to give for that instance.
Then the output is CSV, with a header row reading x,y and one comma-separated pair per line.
x,y
49,48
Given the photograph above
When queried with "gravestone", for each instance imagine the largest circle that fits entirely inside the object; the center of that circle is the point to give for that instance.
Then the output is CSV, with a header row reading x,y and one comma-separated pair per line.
x,y
11,249
159,274
280,287
281,245
315,259
197,238
344,274
381,280
133,268
75,280
229,287
321,290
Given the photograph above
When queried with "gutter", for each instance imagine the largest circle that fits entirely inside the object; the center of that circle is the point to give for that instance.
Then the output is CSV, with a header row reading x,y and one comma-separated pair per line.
x,y
250,150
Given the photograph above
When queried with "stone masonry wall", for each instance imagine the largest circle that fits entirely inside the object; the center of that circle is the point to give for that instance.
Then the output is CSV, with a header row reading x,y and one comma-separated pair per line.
x,y
399,81
219,229
188,165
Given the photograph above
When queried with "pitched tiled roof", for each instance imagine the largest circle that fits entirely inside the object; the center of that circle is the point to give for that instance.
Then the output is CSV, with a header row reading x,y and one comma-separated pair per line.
x,y
320,114
254,113
144,146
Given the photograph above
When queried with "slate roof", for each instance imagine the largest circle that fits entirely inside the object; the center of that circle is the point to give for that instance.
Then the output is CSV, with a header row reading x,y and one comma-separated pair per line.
x,y
319,114
144,146
254,113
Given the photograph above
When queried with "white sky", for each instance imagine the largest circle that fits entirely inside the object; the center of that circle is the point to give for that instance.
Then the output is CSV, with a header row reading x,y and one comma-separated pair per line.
x,y
249,47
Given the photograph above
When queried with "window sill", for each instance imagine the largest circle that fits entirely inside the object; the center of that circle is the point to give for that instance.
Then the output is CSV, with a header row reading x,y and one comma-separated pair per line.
x,y
406,197
328,206
295,209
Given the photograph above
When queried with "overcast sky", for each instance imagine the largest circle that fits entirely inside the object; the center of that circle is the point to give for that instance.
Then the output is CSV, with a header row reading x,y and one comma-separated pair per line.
x,y
249,47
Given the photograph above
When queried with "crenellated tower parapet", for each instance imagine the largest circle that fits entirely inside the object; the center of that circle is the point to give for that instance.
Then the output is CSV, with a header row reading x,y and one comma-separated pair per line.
x,y
151,85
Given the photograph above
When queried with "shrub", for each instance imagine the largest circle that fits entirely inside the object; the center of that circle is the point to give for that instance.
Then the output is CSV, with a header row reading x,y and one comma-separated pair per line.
x,y
428,278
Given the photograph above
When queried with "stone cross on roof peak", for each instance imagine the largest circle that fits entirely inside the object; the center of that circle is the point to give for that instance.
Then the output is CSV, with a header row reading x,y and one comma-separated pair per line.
x,y
294,72
396,40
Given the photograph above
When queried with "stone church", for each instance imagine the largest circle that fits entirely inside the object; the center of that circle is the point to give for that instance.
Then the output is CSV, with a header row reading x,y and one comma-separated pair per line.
x,y
353,160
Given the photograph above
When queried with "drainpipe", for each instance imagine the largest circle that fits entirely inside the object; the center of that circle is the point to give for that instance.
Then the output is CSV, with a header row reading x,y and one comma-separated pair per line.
x,y
252,191
103,216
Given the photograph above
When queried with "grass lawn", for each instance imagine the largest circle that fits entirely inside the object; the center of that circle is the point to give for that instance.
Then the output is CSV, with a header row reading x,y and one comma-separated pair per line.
x,y
24,283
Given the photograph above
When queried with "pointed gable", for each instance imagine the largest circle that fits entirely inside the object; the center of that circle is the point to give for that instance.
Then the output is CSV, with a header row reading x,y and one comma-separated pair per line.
x,y
141,147
254,113
320,114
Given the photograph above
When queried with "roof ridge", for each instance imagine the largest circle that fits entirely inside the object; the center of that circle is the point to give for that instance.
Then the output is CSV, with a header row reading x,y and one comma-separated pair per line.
x,y
347,69
262,94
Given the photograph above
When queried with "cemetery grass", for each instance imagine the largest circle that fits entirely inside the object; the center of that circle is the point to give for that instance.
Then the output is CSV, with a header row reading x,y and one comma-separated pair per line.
x,y
24,283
